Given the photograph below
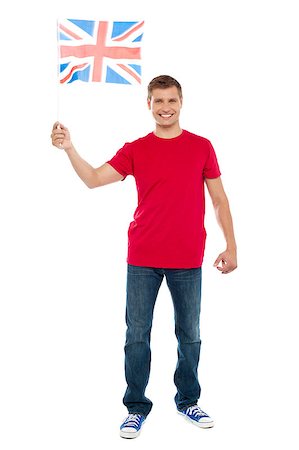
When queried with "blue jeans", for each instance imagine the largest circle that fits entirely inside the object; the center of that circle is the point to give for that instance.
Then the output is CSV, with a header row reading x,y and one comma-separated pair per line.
x,y
143,285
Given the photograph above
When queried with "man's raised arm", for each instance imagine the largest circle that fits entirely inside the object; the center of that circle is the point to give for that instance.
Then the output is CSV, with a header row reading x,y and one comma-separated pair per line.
x,y
91,176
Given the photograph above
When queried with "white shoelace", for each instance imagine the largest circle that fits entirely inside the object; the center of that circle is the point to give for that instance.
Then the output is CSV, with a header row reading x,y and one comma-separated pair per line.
x,y
133,420
196,411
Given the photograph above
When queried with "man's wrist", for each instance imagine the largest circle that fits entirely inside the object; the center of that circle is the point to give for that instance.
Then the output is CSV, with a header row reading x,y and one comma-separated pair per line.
x,y
69,149
231,249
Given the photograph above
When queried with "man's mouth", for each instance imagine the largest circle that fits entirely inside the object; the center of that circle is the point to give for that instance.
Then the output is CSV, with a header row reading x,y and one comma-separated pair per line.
x,y
165,116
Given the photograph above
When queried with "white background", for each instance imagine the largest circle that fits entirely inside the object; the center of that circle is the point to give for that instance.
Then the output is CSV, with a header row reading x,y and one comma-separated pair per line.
x,y
63,246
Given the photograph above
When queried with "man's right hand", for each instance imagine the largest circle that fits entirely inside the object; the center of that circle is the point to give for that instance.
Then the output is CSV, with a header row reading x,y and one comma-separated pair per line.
x,y
61,136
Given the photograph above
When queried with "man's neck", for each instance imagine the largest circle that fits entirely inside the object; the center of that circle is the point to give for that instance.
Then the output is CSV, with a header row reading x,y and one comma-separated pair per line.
x,y
168,132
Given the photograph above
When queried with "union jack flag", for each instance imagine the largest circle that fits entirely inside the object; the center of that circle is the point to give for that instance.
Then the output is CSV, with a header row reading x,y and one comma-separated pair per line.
x,y
95,51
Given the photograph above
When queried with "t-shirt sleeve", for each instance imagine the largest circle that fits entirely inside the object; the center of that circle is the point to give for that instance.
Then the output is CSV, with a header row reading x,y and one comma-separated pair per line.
x,y
122,161
211,168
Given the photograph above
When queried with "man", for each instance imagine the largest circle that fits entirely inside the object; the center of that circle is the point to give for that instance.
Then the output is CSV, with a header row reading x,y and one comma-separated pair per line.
x,y
166,238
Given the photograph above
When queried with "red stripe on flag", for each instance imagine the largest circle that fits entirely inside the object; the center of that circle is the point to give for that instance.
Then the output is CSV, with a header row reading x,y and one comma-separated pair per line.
x,y
129,32
80,66
133,74
63,28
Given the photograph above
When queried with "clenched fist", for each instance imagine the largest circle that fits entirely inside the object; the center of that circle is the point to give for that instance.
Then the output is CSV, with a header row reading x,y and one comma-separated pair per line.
x,y
61,136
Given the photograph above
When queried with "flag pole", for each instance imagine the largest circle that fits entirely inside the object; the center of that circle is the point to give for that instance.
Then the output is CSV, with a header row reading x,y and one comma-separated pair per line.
x,y
57,73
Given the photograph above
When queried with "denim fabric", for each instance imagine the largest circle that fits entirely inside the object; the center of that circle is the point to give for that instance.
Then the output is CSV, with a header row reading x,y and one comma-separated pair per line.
x,y
143,285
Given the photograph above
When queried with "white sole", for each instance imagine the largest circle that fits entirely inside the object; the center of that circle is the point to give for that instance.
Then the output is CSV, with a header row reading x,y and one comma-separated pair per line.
x,y
198,424
128,435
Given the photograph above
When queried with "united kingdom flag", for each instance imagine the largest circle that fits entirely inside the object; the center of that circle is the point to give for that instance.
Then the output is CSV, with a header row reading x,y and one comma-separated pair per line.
x,y
96,51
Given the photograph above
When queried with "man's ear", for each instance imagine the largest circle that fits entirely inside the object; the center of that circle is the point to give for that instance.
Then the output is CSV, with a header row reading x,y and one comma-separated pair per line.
x,y
149,103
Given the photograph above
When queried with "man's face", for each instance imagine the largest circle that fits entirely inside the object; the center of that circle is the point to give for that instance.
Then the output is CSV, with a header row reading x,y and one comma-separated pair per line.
x,y
165,105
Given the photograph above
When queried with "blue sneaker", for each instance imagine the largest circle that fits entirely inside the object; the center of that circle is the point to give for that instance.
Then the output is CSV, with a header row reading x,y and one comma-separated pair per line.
x,y
131,427
197,417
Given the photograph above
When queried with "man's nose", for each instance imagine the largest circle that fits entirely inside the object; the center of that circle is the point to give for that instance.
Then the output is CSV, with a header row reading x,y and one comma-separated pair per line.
x,y
166,107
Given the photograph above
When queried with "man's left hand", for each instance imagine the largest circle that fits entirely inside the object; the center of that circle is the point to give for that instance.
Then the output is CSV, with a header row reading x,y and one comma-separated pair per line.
x,y
226,261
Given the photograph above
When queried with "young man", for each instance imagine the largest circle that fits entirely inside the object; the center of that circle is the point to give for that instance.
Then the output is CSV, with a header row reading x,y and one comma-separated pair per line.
x,y
166,238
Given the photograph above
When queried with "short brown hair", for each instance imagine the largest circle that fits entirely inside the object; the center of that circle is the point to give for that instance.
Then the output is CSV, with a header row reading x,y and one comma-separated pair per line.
x,y
163,82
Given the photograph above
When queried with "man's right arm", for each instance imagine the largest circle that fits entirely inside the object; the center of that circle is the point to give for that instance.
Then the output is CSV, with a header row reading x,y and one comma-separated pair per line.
x,y
92,177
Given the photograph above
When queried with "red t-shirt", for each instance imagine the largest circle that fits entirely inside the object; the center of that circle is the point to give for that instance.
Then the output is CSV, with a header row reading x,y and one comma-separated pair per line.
x,y
168,227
